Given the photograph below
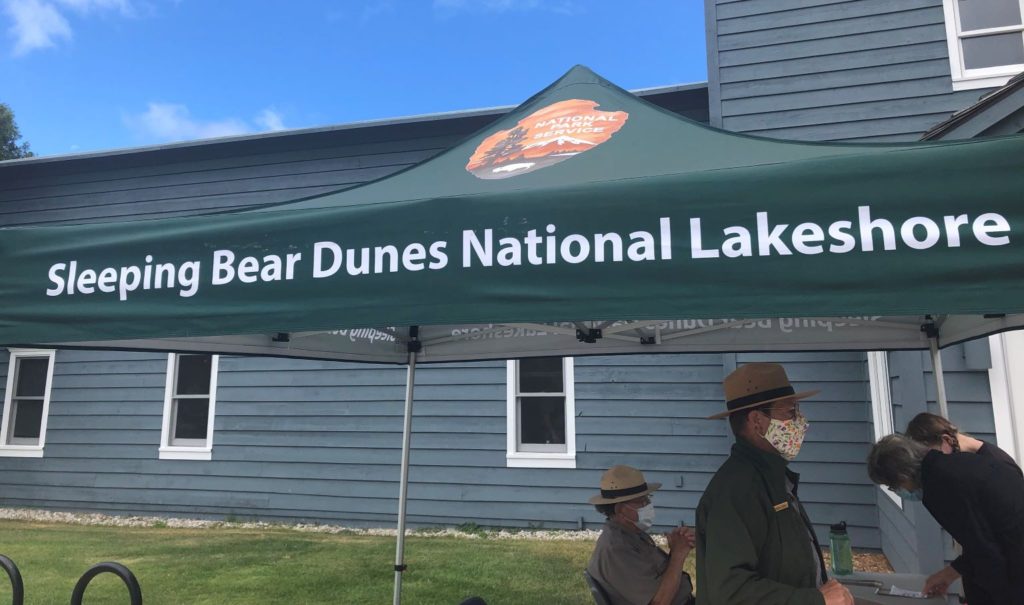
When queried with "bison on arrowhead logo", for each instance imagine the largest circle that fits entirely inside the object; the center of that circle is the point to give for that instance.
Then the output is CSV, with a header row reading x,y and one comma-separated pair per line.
x,y
545,137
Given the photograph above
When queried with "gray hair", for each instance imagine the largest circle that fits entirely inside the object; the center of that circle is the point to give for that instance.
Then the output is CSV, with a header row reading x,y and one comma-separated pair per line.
x,y
896,460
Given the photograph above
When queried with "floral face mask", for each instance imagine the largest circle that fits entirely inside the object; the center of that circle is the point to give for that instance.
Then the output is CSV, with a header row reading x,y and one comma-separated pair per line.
x,y
786,436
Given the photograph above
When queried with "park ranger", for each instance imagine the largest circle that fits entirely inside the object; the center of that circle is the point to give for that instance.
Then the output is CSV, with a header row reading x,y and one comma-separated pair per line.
x,y
755,544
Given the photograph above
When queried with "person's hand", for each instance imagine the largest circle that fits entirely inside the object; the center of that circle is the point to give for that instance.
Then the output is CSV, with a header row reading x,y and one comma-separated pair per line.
x,y
689,535
681,538
938,583
836,594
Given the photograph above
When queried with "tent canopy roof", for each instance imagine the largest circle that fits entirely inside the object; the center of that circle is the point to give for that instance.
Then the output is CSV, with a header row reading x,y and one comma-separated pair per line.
x,y
586,221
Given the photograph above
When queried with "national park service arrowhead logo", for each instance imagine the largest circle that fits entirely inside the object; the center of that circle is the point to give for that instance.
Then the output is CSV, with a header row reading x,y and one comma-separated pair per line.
x,y
545,137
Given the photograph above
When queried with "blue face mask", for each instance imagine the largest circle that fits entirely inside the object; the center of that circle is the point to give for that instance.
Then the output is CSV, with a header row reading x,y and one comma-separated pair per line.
x,y
912,496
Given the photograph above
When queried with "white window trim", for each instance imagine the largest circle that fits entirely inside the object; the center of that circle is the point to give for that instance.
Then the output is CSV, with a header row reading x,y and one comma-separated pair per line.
x,y
25,451
181,452
881,404
968,79
1007,386
517,459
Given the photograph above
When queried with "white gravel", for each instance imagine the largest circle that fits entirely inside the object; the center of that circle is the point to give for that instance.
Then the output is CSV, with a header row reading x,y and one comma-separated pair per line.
x,y
38,515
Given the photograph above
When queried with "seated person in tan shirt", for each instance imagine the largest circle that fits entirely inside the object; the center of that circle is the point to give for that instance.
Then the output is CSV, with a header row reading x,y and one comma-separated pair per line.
x,y
626,562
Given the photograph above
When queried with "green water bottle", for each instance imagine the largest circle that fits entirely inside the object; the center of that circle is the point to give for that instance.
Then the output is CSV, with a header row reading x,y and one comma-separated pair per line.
x,y
842,554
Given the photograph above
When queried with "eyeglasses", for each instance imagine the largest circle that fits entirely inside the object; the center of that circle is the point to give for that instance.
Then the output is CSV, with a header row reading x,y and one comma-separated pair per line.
x,y
781,414
642,502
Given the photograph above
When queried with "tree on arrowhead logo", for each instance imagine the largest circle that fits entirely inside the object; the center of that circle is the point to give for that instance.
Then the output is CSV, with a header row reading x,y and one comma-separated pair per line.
x,y
545,137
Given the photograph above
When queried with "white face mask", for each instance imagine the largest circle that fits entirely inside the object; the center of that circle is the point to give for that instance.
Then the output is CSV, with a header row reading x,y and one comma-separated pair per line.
x,y
645,517
786,436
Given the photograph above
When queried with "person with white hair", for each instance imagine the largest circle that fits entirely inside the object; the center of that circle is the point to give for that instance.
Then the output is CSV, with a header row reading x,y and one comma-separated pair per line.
x,y
979,500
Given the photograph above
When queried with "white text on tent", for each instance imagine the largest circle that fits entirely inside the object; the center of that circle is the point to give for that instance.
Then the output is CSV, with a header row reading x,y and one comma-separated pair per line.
x,y
918,233
573,248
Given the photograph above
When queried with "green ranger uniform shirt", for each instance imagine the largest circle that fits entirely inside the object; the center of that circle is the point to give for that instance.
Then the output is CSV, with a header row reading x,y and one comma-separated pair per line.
x,y
755,545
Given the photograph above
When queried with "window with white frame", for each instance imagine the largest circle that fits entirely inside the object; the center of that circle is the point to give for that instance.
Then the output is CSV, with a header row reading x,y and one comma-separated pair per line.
x,y
541,413
26,403
189,403
881,404
986,41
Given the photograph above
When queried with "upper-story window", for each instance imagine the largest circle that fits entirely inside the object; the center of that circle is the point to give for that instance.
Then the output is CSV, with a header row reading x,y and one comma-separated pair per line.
x,y
26,403
541,413
986,41
189,404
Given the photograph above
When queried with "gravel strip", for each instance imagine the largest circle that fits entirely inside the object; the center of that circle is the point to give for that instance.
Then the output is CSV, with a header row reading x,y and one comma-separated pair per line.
x,y
29,514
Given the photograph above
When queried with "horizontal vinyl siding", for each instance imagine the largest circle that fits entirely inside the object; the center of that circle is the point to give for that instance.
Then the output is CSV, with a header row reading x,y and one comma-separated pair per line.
x,y
967,391
899,537
305,440
231,175
198,186
648,412
855,70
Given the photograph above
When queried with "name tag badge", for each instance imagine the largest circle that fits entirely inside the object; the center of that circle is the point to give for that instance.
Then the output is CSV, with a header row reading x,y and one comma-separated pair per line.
x,y
781,507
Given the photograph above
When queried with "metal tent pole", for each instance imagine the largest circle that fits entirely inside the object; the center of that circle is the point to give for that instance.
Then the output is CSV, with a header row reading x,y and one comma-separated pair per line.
x,y
940,382
403,490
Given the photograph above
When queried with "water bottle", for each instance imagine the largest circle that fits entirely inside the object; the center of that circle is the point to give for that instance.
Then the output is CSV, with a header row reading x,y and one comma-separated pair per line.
x,y
842,553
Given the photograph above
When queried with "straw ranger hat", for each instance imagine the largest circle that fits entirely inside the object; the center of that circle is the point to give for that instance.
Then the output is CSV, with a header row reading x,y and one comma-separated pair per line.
x,y
621,483
756,384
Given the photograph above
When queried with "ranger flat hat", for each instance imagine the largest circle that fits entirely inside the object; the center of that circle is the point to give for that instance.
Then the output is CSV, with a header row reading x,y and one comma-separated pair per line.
x,y
756,384
621,483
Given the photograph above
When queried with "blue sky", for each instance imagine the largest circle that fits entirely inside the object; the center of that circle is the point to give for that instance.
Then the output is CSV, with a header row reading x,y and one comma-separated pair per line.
x,y
87,75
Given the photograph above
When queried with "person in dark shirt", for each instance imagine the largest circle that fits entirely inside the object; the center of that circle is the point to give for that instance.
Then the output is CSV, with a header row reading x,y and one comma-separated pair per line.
x,y
979,500
940,434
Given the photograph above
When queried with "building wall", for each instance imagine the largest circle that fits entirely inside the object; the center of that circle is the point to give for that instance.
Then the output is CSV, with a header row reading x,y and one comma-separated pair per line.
x,y
201,178
298,440
835,70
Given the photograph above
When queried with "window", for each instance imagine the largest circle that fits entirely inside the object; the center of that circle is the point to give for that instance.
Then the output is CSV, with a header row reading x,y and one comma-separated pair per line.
x,y
986,41
26,403
187,432
541,413
881,404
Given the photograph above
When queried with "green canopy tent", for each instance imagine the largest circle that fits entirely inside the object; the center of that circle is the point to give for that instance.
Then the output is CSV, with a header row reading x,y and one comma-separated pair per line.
x,y
584,222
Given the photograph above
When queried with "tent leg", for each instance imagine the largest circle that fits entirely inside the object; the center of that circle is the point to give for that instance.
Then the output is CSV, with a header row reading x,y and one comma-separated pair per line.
x,y
403,489
940,382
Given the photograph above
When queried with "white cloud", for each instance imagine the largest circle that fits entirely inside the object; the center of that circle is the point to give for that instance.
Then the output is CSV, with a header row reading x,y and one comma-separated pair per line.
x,y
375,9
499,6
38,24
168,122
86,6
270,120
172,122
35,25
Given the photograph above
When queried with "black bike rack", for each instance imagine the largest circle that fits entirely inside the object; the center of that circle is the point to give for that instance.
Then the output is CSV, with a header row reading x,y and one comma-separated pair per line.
x,y
134,590
17,587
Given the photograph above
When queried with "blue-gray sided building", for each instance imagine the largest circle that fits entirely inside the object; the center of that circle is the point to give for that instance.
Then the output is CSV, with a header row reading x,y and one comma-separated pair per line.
x,y
506,443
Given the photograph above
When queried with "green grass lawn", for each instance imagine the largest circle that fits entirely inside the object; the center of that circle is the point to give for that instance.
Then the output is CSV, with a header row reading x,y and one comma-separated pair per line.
x,y
280,566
